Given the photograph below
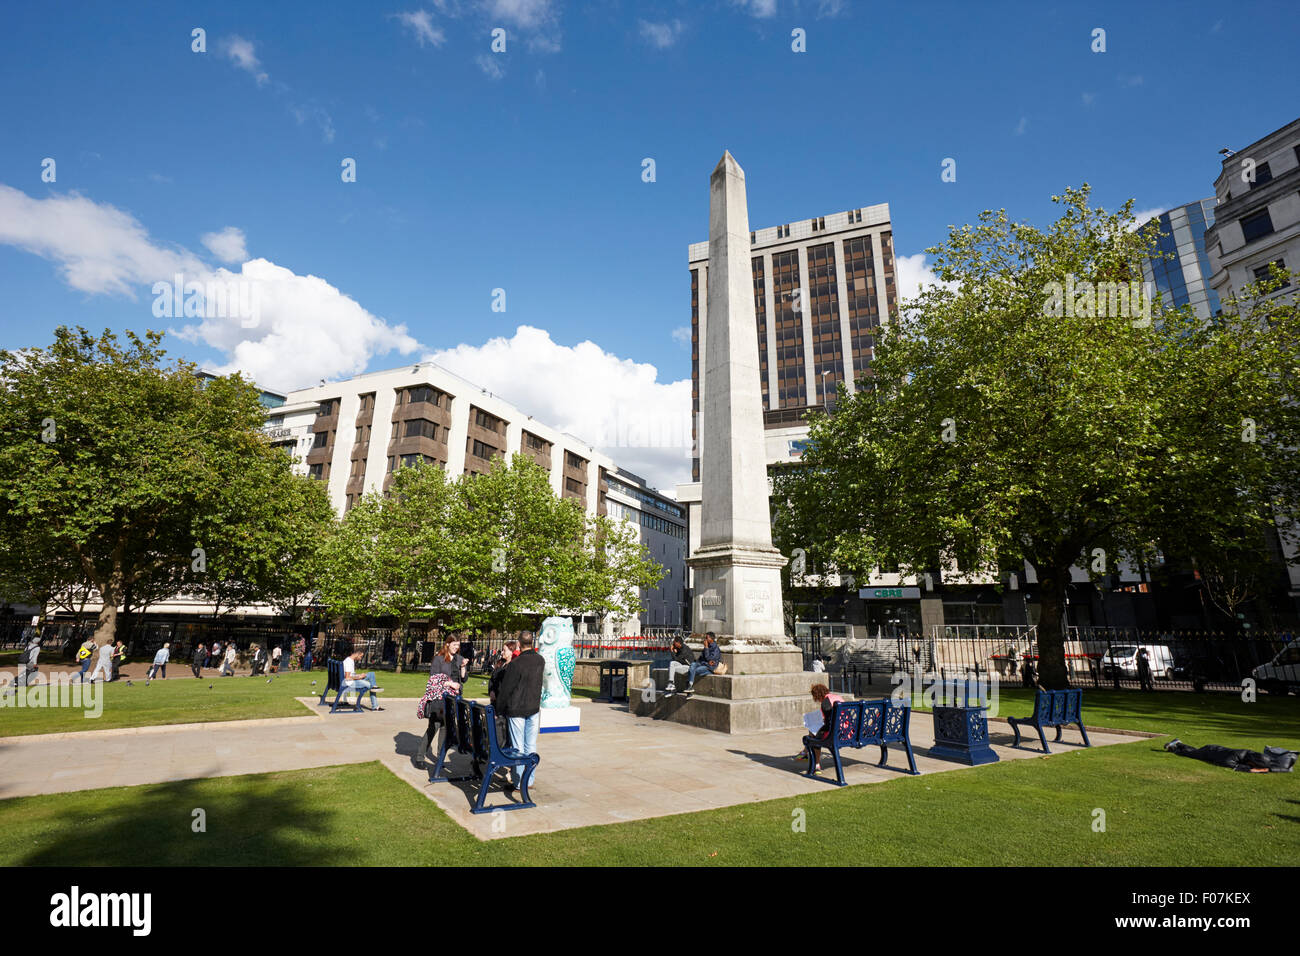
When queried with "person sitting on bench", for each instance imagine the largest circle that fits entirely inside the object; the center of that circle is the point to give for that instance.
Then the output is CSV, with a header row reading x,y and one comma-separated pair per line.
x,y
359,685
826,702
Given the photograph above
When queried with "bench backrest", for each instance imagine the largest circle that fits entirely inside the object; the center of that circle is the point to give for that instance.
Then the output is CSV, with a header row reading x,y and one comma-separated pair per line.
x,y
1054,707
335,681
845,717
464,727
883,722
486,744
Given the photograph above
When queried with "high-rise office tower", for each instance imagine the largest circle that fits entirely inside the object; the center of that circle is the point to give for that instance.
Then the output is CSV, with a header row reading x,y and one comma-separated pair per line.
x,y
822,287
1184,279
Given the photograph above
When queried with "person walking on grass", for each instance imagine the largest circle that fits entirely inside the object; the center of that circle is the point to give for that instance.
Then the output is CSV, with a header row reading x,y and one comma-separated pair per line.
x,y
228,665
519,698
276,654
86,655
104,663
199,658
159,663
214,656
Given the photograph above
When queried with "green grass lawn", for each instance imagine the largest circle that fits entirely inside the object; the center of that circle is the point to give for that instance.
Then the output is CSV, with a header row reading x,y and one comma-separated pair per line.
x,y
185,700
1160,810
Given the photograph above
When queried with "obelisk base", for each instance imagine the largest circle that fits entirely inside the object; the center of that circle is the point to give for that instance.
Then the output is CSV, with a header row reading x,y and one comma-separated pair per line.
x,y
763,689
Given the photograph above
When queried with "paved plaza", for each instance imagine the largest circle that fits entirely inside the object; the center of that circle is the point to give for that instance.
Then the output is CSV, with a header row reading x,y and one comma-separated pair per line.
x,y
619,767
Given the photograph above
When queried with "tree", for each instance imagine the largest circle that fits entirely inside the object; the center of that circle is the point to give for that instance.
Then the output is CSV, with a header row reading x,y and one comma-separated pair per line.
x,y
127,466
486,551
1019,413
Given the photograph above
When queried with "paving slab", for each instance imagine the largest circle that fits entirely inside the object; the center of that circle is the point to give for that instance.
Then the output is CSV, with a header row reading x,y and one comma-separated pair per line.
x,y
619,767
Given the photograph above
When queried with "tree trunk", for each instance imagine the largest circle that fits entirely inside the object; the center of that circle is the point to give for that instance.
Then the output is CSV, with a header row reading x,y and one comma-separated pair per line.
x,y
106,623
1051,636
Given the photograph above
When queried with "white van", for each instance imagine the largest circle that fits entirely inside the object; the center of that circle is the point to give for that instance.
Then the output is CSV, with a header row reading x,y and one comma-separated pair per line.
x,y
1123,658
1282,673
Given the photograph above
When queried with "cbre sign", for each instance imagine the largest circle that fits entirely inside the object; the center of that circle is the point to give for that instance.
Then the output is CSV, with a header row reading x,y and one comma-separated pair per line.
x,y
890,594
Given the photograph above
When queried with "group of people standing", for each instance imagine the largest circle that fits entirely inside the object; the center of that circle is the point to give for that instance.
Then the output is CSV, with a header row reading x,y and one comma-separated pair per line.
x,y
514,690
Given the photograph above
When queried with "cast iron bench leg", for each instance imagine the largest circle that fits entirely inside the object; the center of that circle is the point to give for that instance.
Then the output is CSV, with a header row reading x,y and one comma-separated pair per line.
x,y
1043,737
1086,743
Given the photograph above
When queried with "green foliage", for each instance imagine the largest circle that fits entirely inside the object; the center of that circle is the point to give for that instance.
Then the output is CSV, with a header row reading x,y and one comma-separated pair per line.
x,y
990,430
487,551
115,467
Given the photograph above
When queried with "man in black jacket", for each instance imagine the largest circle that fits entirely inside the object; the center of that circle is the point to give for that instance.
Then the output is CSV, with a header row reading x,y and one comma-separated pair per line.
x,y
519,698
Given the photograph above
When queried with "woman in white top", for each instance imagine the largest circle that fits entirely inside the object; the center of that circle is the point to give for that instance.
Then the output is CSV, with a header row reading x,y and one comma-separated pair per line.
x,y
228,668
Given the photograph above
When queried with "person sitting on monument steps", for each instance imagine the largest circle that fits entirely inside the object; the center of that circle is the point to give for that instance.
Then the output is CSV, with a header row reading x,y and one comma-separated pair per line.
x,y
680,662
708,662
827,701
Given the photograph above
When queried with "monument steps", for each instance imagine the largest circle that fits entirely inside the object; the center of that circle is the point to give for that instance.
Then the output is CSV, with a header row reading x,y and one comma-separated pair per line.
x,y
725,715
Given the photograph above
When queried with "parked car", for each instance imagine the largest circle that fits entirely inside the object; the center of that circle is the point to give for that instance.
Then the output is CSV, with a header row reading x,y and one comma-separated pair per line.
x,y
1281,675
1122,658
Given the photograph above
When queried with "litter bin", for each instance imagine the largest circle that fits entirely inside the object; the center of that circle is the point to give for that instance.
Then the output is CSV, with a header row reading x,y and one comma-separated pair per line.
x,y
613,681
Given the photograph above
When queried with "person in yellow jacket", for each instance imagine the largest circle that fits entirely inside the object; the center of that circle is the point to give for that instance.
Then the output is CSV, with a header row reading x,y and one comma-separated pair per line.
x,y
86,655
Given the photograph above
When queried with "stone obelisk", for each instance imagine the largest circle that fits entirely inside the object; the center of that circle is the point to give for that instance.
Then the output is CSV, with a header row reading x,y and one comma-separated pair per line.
x,y
737,571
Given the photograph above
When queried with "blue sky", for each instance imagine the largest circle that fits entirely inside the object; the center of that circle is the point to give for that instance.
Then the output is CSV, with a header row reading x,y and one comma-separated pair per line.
x,y
522,170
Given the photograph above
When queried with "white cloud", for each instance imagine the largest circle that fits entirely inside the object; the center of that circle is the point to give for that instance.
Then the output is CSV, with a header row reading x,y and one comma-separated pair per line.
x,y
490,65
305,329
241,52
319,116
1088,99
757,8
227,245
682,336
537,20
912,274
420,23
1021,126
661,35
617,405
829,8
99,249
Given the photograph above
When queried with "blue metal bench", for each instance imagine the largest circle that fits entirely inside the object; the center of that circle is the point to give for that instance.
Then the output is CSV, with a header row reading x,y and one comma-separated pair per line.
x,y
472,731
1053,708
335,683
862,723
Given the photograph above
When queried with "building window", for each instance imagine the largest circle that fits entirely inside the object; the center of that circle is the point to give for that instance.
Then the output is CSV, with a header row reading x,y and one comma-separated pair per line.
x,y
533,442
316,471
322,439
1262,175
326,408
1261,273
424,393
413,459
483,420
1256,225
573,486
573,461
421,428
482,450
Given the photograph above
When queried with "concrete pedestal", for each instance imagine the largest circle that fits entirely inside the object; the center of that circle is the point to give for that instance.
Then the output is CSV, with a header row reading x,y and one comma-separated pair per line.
x,y
556,720
763,689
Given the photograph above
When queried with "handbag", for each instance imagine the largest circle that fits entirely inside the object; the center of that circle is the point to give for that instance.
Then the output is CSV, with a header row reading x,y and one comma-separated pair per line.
x,y
720,670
